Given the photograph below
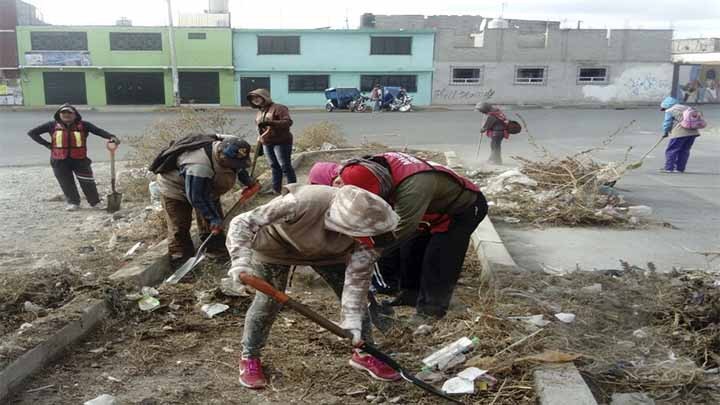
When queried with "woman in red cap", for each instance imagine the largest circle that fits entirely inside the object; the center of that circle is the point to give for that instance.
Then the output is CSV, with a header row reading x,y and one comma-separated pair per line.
x,y
430,197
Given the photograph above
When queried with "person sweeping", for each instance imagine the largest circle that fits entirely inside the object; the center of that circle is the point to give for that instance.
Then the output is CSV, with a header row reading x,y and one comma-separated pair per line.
x,y
495,128
681,125
328,229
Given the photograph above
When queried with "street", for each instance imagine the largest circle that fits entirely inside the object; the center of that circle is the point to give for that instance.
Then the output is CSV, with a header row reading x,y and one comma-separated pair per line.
x,y
690,202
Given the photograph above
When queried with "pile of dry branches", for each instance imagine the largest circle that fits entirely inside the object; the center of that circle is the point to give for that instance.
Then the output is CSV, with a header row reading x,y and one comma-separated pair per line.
x,y
569,190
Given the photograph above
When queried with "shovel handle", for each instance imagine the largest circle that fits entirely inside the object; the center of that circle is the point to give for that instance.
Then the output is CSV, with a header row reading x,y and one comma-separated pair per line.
x,y
111,146
264,287
279,296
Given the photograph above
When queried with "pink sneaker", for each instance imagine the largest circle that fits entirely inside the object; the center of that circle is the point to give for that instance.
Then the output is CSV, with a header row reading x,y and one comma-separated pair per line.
x,y
251,374
377,369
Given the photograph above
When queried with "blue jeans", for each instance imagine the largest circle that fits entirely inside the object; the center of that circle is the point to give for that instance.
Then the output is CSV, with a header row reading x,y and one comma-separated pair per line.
x,y
279,158
678,153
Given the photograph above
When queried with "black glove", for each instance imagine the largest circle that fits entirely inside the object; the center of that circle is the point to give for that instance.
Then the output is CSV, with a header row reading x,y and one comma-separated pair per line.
x,y
666,135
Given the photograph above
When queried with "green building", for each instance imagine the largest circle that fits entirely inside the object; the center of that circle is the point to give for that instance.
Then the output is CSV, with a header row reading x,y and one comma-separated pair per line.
x,y
122,65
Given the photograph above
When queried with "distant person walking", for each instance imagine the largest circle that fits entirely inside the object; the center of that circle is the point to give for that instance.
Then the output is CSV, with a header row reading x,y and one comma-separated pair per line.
x,y
495,128
278,141
376,97
68,153
681,125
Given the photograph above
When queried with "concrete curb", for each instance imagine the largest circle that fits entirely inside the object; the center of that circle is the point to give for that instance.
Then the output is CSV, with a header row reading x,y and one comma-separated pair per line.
x,y
36,358
560,384
556,384
150,268
489,248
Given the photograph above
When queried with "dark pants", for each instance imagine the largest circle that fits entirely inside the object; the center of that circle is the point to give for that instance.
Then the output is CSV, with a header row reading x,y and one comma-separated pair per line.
x,y
678,153
443,255
178,215
496,149
65,172
261,315
279,158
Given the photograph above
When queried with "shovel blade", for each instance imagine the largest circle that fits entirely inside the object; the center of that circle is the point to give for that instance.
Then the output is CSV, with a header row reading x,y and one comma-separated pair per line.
x,y
113,202
190,264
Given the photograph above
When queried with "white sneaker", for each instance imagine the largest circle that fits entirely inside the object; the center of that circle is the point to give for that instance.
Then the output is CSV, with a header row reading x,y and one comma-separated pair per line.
x,y
72,207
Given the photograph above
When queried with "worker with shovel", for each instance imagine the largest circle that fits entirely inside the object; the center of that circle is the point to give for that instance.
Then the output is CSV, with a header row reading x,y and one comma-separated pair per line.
x,y
68,153
193,173
329,229
445,206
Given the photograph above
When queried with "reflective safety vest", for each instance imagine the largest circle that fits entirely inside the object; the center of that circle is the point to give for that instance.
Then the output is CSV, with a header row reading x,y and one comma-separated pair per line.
x,y
68,142
403,166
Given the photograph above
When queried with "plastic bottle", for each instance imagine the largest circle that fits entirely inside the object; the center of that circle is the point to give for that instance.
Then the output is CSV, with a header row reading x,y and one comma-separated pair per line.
x,y
447,353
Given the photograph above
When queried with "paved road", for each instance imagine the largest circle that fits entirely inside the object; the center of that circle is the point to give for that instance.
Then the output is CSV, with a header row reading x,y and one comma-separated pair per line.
x,y
690,202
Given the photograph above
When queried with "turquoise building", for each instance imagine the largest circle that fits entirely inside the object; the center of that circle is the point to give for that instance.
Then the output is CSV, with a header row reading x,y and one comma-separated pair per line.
x,y
298,65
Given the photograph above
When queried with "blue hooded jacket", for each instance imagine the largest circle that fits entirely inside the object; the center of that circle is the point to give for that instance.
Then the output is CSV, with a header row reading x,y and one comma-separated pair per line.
x,y
668,121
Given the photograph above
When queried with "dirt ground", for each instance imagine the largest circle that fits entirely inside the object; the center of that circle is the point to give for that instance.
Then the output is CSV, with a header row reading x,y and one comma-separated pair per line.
x,y
637,331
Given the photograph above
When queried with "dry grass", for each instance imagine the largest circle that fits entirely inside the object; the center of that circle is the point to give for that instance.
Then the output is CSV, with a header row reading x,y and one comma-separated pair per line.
x,y
315,135
189,122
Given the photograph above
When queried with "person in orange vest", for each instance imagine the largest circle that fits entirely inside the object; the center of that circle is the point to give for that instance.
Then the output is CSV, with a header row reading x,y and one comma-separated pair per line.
x,y
68,153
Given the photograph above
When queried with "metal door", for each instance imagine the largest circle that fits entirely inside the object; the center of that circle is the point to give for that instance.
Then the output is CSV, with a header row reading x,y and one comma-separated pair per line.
x,y
248,84
135,88
64,87
199,87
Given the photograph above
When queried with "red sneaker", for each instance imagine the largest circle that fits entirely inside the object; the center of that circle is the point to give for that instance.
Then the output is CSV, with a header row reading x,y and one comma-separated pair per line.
x,y
251,374
377,369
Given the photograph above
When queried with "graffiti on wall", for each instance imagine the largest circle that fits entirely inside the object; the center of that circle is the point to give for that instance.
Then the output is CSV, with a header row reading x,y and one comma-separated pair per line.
x,y
10,92
635,84
638,86
449,95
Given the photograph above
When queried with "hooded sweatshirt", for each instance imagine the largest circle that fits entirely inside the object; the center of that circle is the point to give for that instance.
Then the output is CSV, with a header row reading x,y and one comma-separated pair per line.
x,y
673,116
495,121
311,225
49,127
272,115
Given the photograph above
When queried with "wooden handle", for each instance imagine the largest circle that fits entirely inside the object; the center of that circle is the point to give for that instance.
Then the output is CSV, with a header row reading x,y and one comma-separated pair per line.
x,y
279,296
264,287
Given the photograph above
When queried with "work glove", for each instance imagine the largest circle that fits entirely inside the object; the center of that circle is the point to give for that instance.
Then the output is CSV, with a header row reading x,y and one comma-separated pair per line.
x,y
216,228
251,188
356,339
114,139
235,271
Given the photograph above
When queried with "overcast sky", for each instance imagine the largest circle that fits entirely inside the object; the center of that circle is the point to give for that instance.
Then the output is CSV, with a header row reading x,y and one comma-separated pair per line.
x,y
690,19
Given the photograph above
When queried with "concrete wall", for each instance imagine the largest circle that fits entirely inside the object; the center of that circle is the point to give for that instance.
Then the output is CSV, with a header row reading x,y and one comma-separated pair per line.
x,y
213,54
698,45
343,55
638,61
628,83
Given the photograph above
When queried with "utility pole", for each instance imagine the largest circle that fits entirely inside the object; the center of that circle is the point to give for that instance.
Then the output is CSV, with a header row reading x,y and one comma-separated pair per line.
x,y
173,56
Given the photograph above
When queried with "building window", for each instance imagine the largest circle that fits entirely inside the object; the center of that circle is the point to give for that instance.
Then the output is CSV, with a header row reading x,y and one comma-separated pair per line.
x,y
58,41
408,82
278,45
466,75
390,45
308,83
592,75
197,35
530,75
135,41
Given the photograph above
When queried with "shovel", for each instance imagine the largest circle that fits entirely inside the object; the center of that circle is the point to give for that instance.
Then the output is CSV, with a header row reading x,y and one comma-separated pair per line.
x,y
192,262
114,199
282,298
